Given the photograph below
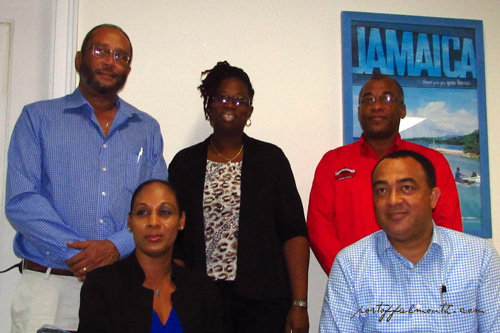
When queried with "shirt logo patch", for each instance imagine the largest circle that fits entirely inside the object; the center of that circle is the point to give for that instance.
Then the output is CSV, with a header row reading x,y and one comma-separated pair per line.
x,y
344,173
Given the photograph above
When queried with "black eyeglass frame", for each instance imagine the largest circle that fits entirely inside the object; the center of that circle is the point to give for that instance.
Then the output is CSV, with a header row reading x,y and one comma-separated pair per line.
x,y
237,101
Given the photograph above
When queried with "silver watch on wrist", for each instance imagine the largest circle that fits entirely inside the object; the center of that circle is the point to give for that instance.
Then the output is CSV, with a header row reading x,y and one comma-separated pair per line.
x,y
302,304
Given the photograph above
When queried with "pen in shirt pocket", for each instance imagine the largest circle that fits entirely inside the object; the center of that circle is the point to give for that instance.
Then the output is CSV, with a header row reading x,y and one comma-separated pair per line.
x,y
443,290
139,155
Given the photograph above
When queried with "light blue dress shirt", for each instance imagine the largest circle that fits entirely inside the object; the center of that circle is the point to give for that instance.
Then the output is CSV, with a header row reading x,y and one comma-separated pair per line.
x,y
66,181
455,287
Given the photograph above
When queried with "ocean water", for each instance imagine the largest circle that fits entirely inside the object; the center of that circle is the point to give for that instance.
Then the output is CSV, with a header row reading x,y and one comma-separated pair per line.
x,y
470,195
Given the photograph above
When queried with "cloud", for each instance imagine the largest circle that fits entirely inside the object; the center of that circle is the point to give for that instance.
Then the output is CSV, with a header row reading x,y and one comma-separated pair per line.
x,y
441,121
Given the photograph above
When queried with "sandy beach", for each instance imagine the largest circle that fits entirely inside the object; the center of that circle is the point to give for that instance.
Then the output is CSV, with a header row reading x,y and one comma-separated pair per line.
x,y
456,152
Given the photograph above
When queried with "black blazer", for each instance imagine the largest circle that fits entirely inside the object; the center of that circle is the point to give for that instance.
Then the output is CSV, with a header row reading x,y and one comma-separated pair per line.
x,y
271,213
113,299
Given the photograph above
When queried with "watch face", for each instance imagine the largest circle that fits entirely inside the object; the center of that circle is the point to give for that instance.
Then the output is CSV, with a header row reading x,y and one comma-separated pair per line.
x,y
302,304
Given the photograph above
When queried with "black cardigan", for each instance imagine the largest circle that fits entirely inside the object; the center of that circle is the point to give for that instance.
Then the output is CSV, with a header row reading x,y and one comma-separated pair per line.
x,y
113,300
271,213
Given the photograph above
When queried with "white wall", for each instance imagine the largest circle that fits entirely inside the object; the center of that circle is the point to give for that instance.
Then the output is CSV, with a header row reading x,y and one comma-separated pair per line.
x,y
292,53
30,73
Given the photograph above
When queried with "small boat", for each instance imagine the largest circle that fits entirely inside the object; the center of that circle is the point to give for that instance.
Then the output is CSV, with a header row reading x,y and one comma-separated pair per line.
x,y
472,180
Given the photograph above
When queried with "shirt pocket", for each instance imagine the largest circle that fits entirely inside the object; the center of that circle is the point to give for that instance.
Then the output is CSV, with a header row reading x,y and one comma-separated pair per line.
x,y
138,169
461,311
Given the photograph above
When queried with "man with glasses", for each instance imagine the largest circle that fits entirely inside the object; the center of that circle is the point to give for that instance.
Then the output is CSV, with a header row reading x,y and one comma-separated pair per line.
x,y
73,165
340,205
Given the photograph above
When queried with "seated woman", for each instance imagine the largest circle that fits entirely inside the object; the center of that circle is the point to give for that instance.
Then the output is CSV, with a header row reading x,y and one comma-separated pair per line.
x,y
147,292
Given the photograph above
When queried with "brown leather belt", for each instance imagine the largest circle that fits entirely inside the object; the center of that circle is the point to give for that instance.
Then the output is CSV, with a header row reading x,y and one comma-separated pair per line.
x,y
33,266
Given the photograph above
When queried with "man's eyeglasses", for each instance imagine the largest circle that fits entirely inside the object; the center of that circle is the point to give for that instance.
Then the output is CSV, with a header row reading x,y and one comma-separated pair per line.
x,y
384,99
100,51
237,101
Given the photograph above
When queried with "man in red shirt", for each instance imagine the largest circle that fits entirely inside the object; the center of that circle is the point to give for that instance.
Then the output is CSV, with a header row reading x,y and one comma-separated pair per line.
x,y
340,205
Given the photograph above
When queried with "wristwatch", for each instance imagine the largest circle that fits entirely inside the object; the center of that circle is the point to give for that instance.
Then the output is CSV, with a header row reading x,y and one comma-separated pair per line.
x,y
302,304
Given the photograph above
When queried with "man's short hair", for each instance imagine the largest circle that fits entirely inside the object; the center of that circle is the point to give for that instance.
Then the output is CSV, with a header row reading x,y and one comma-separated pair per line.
x,y
105,25
429,170
377,77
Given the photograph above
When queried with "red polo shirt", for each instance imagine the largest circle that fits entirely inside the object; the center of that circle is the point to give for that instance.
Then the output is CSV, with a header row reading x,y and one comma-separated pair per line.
x,y
341,205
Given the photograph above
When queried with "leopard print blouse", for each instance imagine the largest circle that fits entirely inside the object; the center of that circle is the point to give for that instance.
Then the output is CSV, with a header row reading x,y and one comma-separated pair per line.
x,y
221,209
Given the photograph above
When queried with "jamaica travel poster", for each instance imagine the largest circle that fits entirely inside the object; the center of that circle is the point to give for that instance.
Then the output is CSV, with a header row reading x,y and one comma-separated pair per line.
x,y
440,65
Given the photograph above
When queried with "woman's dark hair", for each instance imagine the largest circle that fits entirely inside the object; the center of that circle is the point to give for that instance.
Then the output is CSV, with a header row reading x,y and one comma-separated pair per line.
x,y
214,78
153,181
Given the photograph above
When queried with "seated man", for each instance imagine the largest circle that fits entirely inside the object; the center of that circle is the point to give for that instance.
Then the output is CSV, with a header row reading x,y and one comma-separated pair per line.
x,y
458,176
412,276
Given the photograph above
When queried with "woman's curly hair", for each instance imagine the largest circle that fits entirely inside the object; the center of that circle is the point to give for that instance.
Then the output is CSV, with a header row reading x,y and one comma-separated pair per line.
x,y
214,78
